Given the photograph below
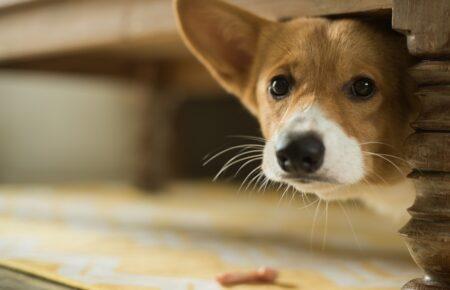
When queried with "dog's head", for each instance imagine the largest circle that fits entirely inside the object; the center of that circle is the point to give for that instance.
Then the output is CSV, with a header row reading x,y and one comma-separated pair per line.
x,y
332,97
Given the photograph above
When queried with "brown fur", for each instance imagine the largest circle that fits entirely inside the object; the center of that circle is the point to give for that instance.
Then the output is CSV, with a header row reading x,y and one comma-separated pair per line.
x,y
243,52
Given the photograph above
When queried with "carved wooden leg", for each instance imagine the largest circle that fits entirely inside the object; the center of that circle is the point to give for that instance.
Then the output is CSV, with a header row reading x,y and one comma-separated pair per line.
x,y
427,26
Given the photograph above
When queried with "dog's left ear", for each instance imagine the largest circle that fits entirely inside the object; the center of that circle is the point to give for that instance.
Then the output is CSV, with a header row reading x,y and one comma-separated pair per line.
x,y
224,38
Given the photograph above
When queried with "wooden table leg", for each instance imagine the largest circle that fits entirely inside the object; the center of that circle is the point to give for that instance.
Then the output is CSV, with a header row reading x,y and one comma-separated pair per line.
x,y
427,27
155,158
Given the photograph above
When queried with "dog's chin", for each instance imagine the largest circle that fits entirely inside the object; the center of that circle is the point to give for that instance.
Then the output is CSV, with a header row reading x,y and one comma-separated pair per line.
x,y
322,189
325,189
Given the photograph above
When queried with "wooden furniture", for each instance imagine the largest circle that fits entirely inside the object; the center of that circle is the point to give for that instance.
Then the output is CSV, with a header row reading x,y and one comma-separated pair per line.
x,y
427,26
138,39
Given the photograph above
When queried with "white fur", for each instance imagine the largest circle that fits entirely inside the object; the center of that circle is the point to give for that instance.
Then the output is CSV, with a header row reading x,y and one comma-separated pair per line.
x,y
343,161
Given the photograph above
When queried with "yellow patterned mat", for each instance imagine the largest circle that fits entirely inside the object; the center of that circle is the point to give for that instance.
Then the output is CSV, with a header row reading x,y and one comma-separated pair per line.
x,y
115,237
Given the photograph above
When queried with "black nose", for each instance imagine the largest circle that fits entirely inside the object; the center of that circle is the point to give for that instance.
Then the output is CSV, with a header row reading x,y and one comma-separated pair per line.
x,y
301,154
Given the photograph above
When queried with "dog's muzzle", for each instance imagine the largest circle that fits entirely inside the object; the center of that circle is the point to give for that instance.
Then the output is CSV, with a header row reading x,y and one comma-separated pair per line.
x,y
300,155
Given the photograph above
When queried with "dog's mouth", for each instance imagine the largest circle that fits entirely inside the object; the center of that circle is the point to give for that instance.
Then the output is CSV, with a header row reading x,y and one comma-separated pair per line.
x,y
307,179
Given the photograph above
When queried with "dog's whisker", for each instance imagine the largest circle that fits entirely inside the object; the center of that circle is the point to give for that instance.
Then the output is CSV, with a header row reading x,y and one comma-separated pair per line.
x,y
279,187
405,161
350,224
371,172
282,195
302,196
228,165
326,226
242,146
247,163
268,183
242,154
248,176
292,197
306,196
254,179
254,138
398,158
264,184
309,204
314,222
258,181
387,160
376,142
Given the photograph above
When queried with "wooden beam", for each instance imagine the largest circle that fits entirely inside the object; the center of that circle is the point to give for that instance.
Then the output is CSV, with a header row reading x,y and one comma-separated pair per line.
x,y
297,8
134,26
188,76
4,4
426,25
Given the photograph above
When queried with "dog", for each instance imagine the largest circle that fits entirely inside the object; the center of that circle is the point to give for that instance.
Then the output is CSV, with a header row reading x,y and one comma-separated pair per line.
x,y
333,97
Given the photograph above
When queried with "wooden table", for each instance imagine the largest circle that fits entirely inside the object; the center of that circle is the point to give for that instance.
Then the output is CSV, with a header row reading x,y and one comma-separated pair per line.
x,y
138,39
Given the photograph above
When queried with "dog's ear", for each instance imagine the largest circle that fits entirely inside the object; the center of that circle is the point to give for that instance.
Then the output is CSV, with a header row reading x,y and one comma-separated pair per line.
x,y
223,37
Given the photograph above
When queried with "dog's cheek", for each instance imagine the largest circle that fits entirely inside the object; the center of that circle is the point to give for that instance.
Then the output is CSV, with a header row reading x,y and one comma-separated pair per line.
x,y
344,160
270,166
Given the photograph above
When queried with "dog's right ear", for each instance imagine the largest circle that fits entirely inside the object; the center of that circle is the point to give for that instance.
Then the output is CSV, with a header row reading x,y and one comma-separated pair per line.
x,y
223,37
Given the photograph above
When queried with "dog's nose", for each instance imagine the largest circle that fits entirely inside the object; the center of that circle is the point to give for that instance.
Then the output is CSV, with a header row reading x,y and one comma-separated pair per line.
x,y
301,154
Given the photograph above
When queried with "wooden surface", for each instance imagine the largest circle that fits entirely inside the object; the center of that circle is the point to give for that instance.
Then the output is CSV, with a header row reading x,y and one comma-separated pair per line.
x,y
432,72
7,4
426,24
435,108
429,151
138,28
427,27
114,237
16,280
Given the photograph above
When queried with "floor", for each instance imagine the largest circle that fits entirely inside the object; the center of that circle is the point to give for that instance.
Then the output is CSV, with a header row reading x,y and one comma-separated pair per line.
x,y
112,237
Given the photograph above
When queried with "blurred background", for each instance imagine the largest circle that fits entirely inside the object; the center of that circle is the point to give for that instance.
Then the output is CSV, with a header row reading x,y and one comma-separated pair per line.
x,y
88,86
67,127
105,123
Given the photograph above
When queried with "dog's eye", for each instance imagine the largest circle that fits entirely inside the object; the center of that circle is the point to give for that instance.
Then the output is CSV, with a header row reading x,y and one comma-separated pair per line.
x,y
280,87
362,88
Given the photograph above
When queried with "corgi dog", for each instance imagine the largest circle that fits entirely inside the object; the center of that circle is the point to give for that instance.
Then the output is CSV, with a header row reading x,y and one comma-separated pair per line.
x,y
333,97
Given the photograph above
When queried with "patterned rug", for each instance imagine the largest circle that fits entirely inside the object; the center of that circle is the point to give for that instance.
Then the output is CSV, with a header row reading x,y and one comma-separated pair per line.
x,y
114,237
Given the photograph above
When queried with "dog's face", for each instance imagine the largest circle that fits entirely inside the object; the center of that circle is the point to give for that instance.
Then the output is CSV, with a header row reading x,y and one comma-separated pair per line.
x,y
329,95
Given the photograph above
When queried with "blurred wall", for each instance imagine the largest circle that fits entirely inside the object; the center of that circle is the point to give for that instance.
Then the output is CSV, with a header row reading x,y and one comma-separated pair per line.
x,y
57,128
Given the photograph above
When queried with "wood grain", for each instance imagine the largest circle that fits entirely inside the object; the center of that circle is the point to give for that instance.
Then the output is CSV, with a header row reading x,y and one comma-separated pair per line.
x,y
426,24
141,27
427,27
428,232
15,280
6,4
432,73
295,8
435,108
432,200
429,151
